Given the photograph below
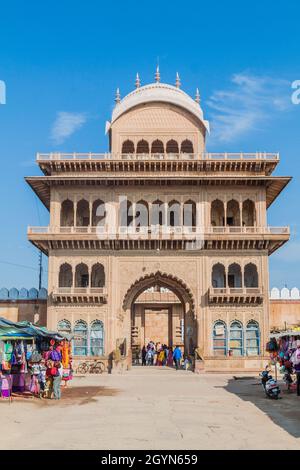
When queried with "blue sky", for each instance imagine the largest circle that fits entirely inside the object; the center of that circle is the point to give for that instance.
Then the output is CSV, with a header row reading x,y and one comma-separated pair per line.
x,y
62,61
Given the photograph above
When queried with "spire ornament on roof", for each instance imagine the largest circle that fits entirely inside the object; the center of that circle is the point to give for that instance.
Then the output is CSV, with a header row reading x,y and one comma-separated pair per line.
x,y
118,96
137,81
177,81
197,97
157,75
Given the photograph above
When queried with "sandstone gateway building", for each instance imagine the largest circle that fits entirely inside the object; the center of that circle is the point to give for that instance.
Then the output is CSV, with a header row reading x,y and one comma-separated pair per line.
x,y
159,240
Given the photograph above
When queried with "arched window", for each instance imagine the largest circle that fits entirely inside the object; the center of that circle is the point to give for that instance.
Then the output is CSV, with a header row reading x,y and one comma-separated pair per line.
x,y
64,327
250,275
233,213
218,276
187,147
173,214
172,146
234,276
65,275
217,213
157,146
220,339
80,340
248,216
97,338
128,146
252,339
141,214
142,147
83,213
98,213
98,275
158,213
67,213
189,213
236,338
82,275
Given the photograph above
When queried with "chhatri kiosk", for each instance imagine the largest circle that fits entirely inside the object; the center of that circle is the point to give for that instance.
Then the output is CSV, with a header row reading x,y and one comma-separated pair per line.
x,y
159,240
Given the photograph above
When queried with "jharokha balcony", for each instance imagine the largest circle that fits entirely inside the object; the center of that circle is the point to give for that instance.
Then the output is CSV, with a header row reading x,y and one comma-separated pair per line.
x,y
235,295
146,232
158,237
80,294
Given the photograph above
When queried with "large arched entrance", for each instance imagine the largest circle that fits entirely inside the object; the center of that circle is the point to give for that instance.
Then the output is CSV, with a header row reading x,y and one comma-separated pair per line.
x,y
162,310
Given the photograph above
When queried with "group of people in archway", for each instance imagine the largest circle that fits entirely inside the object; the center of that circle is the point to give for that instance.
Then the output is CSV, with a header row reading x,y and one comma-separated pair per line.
x,y
161,355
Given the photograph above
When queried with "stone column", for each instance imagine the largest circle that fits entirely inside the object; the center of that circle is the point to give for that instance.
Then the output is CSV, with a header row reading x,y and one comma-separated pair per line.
x,y
74,275
241,212
75,210
91,211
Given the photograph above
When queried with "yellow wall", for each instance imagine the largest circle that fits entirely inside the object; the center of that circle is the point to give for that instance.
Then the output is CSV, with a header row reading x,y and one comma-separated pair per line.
x,y
284,313
34,311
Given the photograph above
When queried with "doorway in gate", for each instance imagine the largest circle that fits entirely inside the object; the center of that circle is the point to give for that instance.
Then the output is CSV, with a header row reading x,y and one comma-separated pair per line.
x,y
158,316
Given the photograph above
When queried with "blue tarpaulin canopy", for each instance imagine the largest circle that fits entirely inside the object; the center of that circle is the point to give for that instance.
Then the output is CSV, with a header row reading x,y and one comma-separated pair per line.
x,y
26,329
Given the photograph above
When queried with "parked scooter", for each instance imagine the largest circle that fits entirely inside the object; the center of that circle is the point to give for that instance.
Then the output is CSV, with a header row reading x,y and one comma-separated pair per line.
x,y
270,386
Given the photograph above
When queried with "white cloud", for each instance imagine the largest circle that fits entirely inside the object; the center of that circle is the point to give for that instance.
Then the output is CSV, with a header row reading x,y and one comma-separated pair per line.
x,y
65,125
247,103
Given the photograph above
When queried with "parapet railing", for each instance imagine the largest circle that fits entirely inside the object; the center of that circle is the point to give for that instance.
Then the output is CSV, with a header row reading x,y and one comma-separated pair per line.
x,y
80,290
235,290
157,230
54,156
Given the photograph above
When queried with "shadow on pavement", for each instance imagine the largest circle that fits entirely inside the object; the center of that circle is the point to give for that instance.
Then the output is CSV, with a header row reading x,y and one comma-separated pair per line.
x,y
70,396
284,412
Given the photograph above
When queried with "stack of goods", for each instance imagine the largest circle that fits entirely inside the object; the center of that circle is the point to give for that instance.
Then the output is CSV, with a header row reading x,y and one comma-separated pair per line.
x,y
14,365
66,361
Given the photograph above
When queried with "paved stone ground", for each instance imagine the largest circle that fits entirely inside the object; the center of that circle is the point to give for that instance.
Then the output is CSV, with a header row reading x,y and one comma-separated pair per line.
x,y
154,408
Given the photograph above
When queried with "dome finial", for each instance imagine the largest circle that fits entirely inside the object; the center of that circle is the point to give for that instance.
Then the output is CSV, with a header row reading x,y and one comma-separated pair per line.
x,y
177,82
137,81
118,96
157,74
197,97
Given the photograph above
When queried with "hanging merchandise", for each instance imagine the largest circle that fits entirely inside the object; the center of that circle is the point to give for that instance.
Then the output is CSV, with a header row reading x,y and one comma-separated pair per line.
x,y
272,345
36,356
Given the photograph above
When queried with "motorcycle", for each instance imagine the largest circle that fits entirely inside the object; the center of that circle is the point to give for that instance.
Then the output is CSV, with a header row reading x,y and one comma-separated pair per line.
x,y
270,386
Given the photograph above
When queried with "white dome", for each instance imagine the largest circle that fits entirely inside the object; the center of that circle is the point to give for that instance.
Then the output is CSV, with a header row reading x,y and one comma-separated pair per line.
x,y
295,294
158,92
275,293
285,293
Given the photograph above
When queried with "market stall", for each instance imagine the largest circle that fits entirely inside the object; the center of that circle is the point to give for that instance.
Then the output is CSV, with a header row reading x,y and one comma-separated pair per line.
x,y
28,353
282,347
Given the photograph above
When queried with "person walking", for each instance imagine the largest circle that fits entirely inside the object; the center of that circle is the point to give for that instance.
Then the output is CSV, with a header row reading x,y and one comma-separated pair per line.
x,y
170,357
144,353
177,355
57,380
295,359
149,357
